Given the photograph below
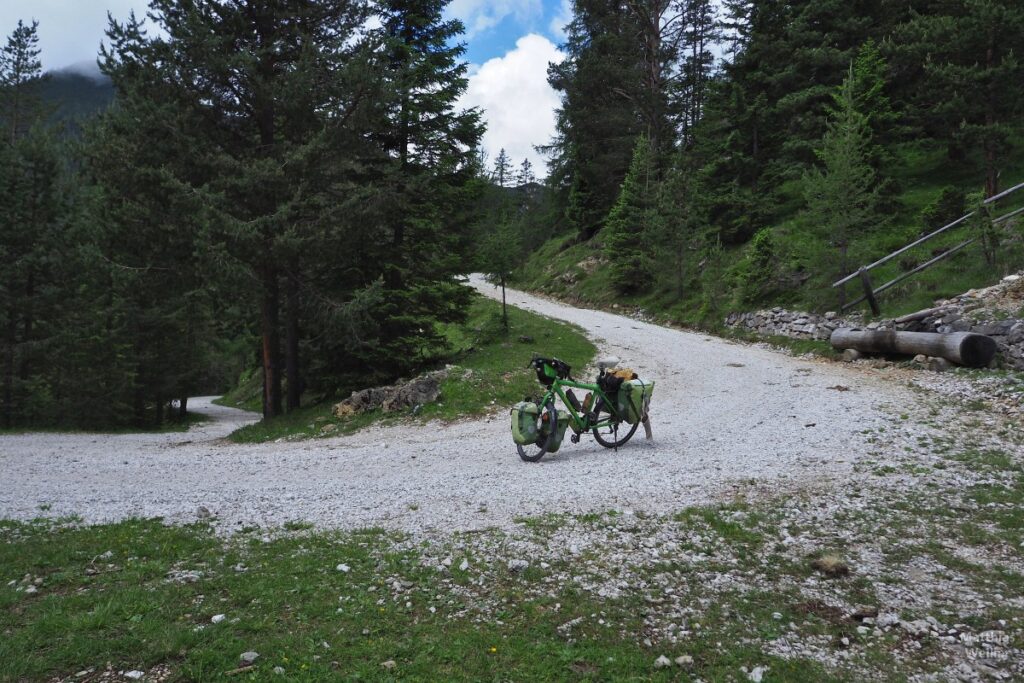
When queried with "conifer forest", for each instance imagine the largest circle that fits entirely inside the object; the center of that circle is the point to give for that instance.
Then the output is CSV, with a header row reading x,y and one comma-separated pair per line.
x,y
291,191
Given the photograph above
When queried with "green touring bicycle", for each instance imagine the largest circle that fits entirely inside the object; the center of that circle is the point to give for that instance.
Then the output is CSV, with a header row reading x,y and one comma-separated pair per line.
x,y
613,408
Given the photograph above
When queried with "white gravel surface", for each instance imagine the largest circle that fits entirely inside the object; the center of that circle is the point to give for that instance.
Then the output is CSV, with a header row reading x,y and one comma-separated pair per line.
x,y
726,417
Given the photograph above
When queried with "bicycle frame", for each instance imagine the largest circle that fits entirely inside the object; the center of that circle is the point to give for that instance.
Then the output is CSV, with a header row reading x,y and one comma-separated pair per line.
x,y
577,421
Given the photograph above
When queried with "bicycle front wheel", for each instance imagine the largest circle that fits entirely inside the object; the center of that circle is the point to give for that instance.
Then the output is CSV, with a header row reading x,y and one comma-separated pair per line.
x,y
546,429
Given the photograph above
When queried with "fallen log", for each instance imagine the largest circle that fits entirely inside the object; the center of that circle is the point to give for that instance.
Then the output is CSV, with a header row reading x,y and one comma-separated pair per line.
x,y
920,315
963,348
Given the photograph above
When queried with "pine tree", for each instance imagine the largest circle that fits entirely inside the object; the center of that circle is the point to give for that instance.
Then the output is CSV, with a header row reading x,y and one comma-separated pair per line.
x,y
432,144
500,255
963,61
628,222
258,97
702,31
30,208
502,174
21,74
526,176
600,82
842,195
680,222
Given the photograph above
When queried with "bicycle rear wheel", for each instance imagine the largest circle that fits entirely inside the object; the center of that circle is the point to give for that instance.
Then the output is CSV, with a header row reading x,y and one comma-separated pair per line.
x,y
535,451
615,434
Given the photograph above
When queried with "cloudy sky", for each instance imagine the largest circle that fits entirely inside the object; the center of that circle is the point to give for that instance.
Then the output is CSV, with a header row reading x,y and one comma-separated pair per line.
x,y
509,45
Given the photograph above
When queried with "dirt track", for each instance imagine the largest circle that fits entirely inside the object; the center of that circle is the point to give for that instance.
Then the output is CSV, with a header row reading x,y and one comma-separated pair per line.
x,y
726,417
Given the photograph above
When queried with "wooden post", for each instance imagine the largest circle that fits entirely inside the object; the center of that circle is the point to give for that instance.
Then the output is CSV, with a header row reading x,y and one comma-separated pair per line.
x,y
869,292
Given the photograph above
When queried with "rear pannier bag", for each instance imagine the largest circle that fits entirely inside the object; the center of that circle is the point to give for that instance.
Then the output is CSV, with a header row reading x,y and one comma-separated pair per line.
x,y
634,399
525,423
563,422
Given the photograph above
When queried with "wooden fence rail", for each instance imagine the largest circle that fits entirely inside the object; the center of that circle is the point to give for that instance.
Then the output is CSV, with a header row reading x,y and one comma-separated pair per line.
x,y
871,293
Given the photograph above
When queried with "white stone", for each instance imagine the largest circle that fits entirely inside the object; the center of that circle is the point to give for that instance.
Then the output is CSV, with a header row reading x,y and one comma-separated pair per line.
x,y
662,662
217,618
757,674
134,674
344,568
464,565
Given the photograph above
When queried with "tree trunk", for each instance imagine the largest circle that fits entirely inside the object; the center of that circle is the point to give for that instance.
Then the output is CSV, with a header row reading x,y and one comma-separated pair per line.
x,y
27,326
292,366
504,306
139,407
843,272
271,345
991,173
963,348
183,407
159,410
12,330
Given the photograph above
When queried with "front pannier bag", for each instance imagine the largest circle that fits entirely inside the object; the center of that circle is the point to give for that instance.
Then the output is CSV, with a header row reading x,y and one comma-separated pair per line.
x,y
525,423
545,429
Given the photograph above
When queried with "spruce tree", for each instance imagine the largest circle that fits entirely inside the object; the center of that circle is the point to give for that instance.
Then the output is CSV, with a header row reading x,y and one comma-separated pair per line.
x,y
21,74
256,96
964,83
30,211
842,194
628,222
600,83
525,175
431,149
502,174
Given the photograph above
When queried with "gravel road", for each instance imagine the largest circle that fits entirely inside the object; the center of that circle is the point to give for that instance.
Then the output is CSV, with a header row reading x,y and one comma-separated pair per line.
x,y
726,417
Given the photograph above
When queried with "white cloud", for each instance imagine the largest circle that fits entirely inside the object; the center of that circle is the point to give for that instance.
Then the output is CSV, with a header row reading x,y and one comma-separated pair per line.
x,y
519,105
70,31
561,20
481,15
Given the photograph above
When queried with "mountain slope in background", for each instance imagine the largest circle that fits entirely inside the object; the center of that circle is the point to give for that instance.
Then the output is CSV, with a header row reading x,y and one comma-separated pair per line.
x,y
77,92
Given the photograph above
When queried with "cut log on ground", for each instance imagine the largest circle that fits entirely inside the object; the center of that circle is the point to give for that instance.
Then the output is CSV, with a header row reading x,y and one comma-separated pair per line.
x,y
963,348
920,315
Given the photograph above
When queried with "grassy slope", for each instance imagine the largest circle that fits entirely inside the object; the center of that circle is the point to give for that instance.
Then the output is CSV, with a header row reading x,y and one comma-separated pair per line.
x,y
499,376
921,171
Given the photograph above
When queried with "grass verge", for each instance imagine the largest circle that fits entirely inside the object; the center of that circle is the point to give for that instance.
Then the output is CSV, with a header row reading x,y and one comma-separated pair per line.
x,y
491,373
180,603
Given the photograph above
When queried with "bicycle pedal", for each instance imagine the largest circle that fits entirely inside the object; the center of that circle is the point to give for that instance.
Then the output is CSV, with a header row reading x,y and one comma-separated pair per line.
x,y
575,438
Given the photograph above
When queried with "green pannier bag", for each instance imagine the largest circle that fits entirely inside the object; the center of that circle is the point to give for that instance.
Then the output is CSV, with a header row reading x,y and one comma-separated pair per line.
x,y
563,423
525,423
634,399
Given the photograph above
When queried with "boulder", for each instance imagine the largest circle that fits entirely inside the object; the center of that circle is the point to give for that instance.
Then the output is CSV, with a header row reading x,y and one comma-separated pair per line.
x,y
419,391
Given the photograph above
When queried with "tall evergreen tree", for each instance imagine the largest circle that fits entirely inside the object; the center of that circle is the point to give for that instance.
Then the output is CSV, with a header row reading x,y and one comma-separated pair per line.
x,y
30,177
432,144
842,195
702,31
598,123
629,221
21,75
257,92
964,56
525,175
502,169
